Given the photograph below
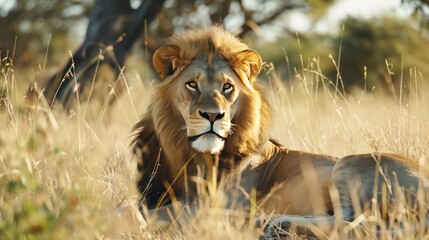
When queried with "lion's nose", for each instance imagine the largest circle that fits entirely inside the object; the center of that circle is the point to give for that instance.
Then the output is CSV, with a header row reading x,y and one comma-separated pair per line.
x,y
212,117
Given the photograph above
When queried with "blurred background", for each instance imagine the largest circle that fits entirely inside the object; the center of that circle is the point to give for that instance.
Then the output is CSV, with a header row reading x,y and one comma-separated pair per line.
x,y
363,44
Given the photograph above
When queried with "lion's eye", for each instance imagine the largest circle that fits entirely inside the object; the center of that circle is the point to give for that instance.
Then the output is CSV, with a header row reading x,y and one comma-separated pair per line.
x,y
192,85
227,88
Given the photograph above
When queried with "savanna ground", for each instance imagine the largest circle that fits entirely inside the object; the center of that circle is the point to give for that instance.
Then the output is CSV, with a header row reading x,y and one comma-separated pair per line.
x,y
71,175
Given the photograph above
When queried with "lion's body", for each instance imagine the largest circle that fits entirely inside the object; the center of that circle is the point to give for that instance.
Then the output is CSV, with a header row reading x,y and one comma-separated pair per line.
x,y
208,111
295,182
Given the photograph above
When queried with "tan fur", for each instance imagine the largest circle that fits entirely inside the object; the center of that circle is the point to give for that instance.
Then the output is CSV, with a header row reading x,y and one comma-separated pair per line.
x,y
286,181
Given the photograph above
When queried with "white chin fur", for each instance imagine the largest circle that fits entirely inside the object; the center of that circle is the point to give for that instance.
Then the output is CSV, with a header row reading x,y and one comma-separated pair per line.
x,y
208,143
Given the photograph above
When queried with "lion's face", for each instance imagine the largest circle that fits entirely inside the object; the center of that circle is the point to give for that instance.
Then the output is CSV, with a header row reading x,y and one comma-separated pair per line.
x,y
206,95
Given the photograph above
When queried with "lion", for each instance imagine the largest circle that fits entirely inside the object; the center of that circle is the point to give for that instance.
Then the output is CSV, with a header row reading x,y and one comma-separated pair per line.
x,y
209,111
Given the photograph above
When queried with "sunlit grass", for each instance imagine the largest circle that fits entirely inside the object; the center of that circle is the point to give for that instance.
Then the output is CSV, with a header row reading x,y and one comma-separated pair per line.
x,y
72,176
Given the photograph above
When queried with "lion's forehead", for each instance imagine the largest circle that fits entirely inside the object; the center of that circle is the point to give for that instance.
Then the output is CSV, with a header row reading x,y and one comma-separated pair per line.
x,y
210,74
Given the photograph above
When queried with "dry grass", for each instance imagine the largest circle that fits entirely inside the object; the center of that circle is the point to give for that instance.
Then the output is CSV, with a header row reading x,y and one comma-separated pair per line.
x,y
72,177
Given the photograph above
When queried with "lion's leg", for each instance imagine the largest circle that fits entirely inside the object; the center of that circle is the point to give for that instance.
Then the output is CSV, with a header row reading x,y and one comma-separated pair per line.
x,y
348,181
362,179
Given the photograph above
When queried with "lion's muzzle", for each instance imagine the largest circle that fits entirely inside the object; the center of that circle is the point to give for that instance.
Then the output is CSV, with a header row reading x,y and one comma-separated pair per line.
x,y
212,118
211,138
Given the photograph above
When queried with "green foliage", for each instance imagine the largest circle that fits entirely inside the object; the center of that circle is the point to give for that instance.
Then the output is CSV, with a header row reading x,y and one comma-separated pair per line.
x,y
375,52
319,7
420,11
292,55
384,53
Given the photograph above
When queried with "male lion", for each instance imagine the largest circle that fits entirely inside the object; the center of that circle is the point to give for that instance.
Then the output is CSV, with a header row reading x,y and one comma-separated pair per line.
x,y
208,111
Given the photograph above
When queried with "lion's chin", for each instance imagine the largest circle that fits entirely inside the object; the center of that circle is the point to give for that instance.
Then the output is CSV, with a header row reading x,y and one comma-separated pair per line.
x,y
208,143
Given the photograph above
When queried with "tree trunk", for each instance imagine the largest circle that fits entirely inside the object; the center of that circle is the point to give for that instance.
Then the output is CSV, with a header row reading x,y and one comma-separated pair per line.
x,y
112,30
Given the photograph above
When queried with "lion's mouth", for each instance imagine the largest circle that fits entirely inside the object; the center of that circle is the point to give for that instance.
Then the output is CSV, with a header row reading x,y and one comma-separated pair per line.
x,y
194,138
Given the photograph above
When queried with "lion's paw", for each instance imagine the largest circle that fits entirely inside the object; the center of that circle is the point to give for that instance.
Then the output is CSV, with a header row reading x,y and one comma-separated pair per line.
x,y
283,227
277,229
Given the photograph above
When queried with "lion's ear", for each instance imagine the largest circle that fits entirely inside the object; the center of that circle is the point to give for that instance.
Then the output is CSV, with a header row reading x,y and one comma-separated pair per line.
x,y
250,62
165,61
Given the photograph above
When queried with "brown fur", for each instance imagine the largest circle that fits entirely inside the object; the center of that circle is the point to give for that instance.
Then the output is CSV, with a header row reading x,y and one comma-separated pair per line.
x,y
286,181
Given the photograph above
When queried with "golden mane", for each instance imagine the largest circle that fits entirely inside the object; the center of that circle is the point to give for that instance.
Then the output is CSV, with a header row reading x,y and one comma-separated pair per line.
x,y
160,138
